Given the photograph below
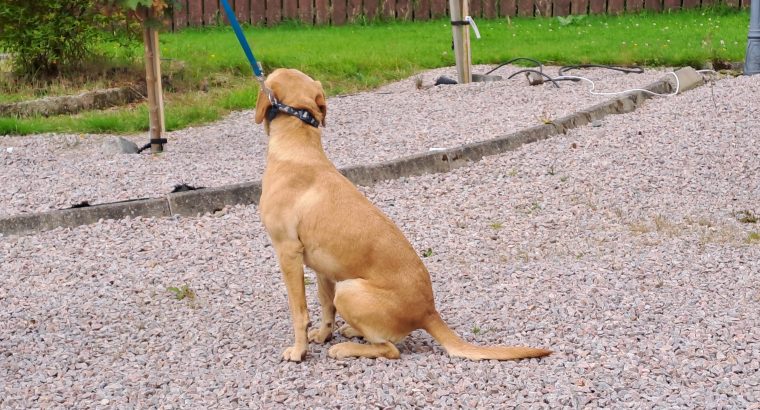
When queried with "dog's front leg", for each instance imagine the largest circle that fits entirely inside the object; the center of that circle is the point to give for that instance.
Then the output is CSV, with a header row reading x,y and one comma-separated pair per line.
x,y
290,254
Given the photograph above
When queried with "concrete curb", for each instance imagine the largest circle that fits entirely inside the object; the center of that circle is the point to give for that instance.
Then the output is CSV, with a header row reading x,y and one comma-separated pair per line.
x,y
198,202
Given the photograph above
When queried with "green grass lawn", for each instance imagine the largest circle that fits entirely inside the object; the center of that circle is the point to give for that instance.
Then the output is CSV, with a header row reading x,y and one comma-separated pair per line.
x,y
210,75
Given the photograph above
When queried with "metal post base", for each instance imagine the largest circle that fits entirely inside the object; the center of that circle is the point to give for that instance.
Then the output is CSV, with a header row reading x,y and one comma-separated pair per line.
x,y
752,61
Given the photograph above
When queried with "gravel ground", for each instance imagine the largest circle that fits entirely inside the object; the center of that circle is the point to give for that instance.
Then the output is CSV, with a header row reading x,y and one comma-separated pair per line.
x,y
621,247
57,171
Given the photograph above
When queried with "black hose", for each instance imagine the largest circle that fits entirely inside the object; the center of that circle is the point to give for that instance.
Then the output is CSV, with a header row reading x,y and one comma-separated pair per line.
x,y
529,70
563,70
627,70
537,63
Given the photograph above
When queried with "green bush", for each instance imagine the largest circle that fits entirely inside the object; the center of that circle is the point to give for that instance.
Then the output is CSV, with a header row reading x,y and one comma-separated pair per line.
x,y
46,35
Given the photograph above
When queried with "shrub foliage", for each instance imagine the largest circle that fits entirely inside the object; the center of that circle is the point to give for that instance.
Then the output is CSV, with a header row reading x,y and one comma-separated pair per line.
x,y
46,35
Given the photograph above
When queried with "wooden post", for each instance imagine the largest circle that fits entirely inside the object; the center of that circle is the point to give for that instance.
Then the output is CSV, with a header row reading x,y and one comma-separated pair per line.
x,y
153,81
461,34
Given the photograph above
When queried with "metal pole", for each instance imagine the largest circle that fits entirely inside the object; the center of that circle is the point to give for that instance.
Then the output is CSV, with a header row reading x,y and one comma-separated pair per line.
x,y
752,60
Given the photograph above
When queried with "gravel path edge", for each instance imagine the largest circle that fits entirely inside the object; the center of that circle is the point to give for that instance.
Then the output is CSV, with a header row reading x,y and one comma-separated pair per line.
x,y
210,200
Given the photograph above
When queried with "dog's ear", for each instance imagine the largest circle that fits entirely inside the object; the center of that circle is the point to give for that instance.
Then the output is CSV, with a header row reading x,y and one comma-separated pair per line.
x,y
262,105
321,103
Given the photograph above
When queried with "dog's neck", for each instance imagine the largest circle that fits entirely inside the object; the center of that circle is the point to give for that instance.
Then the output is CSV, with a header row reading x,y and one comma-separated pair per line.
x,y
289,137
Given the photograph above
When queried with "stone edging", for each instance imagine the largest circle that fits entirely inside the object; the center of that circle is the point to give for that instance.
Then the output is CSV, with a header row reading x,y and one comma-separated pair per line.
x,y
194,203
72,104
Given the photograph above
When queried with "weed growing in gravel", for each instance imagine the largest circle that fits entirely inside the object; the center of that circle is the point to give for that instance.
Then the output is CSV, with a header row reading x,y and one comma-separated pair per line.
x,y
512,173
182,292
546,119
662,225
308,281
476,330
753,237
496,225
746,217
427,253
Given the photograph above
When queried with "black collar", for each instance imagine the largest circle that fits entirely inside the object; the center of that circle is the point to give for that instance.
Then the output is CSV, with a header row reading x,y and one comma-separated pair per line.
x,y
303,115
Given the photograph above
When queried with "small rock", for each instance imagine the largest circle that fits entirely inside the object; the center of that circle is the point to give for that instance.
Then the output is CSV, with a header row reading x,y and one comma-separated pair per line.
x,y
119,145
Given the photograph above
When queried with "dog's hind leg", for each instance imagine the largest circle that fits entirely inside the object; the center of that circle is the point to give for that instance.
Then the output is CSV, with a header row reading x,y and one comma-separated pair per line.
x,y
347,331
371,313
326,295
372,351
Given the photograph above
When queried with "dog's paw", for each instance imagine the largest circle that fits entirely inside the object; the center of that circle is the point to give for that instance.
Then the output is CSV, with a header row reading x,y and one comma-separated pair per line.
x,y
340,351
349,331
294,354
320,335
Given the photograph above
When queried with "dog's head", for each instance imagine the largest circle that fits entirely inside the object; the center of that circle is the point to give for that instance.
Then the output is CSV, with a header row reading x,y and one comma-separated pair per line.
x,y
296,89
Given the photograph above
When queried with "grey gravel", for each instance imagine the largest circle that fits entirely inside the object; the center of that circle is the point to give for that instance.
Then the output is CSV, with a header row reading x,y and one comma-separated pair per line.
x,y
46,172
617,246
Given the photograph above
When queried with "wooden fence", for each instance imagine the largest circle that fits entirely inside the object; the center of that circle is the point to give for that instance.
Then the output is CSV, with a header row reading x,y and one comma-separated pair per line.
x,y
193,13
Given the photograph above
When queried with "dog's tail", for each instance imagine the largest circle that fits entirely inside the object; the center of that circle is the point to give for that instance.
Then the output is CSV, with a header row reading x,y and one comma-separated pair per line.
x,y
456,347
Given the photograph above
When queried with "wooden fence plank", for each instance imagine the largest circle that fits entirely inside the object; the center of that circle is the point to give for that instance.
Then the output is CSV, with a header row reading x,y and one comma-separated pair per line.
x,y
339,12
371,9
653,5
671,4
579,7
439,8
746,4
543,8
421,10
194,12
598,6
243,11
690,4
706,3
258,12
305,11
507,8
388,8
322,11
403,10
354,10
561,8
289,9
616,6
274,12
490,9
210,12
525,8
179,16
634,6
474,8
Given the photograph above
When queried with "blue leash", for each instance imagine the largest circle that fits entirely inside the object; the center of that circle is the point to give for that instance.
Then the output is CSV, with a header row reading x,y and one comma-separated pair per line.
x,y
243,42
303,115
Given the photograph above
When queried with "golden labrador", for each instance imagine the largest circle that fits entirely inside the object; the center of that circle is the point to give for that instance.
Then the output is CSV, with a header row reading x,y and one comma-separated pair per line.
x,y
366,269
